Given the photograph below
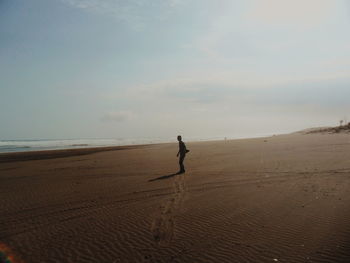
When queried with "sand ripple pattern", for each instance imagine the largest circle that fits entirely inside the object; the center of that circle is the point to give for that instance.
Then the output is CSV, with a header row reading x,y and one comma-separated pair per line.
x,y
164,223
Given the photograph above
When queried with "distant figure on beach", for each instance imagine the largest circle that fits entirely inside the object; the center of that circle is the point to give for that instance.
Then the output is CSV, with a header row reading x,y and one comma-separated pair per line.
x,y
182,152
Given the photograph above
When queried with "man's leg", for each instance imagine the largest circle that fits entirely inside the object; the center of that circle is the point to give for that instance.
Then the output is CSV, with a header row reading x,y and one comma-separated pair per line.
x,y
181,162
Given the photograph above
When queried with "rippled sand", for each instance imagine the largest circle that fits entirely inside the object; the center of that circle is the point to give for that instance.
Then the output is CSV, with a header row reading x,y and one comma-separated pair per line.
x,y
283,198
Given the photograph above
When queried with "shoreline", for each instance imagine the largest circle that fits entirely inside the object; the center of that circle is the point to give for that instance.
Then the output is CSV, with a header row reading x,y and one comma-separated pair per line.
x,y
60,153
17,156
8,157
127,143
66,152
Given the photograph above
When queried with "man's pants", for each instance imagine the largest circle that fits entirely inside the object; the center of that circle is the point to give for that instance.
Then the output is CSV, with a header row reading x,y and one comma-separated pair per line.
x,y
181,162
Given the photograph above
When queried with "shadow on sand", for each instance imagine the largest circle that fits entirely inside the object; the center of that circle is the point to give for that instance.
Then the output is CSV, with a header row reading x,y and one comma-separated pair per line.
x,y
163,177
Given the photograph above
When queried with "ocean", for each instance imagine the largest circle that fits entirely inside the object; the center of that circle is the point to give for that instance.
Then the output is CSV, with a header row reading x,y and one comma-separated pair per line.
x,y
7,146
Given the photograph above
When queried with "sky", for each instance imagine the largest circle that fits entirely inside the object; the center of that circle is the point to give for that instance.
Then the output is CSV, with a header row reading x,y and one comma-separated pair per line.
x,y
159,68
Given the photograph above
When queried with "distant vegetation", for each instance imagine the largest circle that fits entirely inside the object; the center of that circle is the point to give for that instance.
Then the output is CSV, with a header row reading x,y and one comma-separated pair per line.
x,y
337,129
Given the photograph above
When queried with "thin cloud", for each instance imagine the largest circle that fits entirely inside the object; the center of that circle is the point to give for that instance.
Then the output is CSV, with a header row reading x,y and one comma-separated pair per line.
x,y
199,82
302,13
117,116
234,36
134,13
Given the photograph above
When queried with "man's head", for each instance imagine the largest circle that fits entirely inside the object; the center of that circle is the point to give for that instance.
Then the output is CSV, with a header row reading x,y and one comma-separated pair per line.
x,y
179,138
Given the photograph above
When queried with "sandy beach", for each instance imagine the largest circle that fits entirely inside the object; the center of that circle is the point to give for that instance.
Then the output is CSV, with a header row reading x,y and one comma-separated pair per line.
x,y
284,198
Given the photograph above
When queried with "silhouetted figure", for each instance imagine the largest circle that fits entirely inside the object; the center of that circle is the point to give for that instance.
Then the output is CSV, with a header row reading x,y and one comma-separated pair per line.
x,y
182,152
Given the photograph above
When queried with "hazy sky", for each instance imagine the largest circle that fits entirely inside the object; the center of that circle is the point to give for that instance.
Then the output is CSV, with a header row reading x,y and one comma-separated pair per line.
x,y
158,68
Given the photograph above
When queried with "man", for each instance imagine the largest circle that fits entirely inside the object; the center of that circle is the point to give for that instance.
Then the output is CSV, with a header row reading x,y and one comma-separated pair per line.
x,y
182,152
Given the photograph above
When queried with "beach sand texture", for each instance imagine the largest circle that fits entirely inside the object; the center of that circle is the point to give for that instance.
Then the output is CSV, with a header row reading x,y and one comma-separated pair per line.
x,y
278,199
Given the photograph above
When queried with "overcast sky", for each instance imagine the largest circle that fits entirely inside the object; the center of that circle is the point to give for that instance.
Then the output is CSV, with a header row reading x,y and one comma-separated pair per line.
x,y
158,68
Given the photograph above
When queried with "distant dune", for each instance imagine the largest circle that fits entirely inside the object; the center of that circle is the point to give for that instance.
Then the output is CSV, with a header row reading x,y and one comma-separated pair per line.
x,y
276,199
336,129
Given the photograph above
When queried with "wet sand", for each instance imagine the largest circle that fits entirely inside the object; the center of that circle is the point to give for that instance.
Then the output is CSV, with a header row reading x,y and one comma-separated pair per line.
x,y
278,199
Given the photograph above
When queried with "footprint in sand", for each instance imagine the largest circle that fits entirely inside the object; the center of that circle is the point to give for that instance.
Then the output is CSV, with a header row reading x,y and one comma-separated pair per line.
x,y
163,225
